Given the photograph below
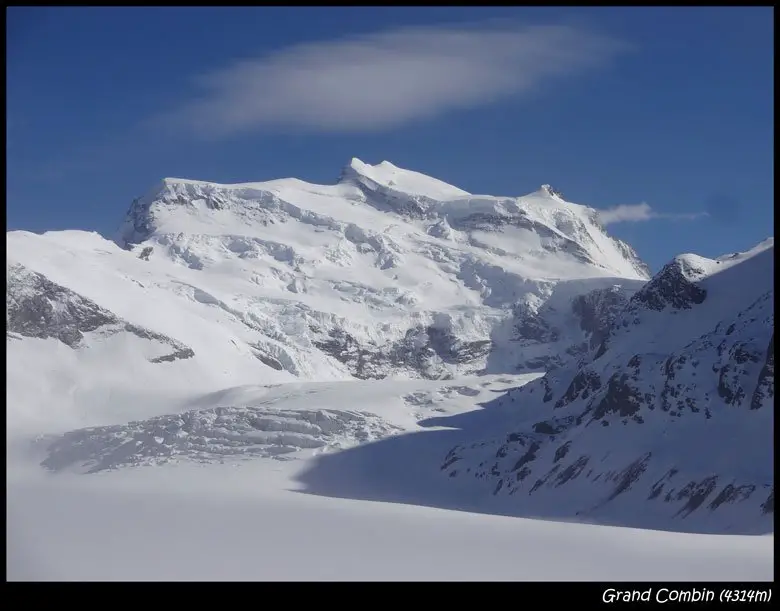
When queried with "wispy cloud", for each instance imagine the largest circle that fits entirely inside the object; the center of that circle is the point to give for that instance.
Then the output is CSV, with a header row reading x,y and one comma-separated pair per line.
x,y
633,213
386,79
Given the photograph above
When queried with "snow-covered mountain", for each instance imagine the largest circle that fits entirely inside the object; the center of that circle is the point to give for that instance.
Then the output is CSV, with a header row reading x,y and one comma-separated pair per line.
x,y
387,272
393,272
223,320
671,415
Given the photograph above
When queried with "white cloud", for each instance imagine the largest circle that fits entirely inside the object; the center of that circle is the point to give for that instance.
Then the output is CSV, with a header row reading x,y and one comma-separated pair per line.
x,y
382,80
641,212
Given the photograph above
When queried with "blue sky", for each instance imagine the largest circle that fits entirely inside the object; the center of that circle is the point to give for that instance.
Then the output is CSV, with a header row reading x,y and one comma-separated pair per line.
x,y
662,115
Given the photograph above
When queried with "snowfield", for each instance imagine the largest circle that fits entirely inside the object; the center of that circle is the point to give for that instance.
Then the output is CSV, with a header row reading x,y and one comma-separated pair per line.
x,y
230,523
383,379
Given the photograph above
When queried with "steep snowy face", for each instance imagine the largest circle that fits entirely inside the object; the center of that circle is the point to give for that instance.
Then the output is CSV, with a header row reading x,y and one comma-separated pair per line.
x,y
534,225
685,372
542,225
396,183
537,227
407,274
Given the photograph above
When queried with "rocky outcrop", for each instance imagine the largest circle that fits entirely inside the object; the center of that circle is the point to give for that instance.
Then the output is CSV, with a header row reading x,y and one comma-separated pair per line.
x,y
597,311
764,393
37,307
674,286
423,350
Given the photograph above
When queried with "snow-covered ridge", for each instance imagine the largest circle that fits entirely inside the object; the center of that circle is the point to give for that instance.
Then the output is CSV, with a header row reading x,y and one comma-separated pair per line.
x,y
389,189
686,373
390,176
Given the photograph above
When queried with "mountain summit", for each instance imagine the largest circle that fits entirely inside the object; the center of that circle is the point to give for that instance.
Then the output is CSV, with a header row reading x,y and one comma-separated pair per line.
x,y
538,223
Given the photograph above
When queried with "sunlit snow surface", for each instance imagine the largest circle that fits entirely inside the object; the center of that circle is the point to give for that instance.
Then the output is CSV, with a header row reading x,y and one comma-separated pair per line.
x,y
188,407
225,522
232,516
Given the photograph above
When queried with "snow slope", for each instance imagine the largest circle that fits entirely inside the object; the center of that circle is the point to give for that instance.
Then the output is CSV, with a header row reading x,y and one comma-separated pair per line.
x,y
256,348
668,423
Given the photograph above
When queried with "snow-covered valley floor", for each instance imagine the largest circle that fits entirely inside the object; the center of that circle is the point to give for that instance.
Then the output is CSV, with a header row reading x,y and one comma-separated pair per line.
x,y
320,513
223,522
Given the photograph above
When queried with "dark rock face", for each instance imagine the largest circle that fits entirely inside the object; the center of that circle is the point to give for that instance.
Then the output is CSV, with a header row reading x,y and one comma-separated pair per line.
x,y
346,349
37,307
453,350
529,455
531,327
562,451
139,222
621,398
765,389
674,286
540,363
584,383
768,506
422,349
629,475
732,494
572,471
695,494
597,311
553,426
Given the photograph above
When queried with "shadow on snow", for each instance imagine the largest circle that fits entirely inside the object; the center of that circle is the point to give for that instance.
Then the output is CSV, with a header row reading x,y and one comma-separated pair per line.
x,y
406,469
